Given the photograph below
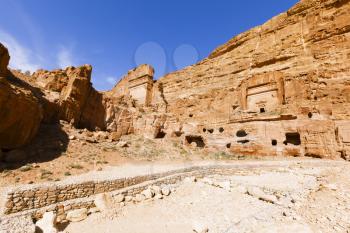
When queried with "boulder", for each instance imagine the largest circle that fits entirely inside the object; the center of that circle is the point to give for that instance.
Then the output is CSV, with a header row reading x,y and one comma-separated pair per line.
x,y
77,215
166,191
148,193
48,223
140,197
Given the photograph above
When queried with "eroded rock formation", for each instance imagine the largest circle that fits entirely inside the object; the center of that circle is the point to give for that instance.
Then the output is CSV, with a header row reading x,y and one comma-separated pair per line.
x,y
20,111
282,88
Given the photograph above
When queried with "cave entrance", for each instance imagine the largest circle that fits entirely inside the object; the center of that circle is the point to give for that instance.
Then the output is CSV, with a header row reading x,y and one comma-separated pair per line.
x,y
160,134
292,138
274,142
241,133
196,139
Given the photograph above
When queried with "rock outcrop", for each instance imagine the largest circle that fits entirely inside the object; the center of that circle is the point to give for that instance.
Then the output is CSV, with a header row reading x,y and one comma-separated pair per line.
x,y
20,114
20,110
4,61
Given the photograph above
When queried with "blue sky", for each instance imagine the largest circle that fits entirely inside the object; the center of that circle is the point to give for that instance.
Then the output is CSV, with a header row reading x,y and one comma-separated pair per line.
x,y
116,35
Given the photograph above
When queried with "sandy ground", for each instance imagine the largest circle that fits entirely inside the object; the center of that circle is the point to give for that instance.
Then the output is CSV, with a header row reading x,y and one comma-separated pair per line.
x,y
291,198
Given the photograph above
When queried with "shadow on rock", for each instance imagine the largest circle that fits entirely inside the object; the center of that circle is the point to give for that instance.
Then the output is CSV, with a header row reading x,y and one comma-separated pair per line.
x,y
50,142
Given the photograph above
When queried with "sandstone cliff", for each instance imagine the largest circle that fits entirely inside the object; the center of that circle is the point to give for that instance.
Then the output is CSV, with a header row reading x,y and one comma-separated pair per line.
x,y
20,111
289,75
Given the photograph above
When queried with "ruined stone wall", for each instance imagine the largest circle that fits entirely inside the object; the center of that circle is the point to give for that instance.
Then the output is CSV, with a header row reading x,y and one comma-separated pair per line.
x,y
62,197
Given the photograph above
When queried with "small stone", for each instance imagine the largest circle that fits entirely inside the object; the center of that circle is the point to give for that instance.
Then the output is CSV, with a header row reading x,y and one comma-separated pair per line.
x,y
25,168
332,187
190,179
77,215
224,185
158,196
139,197
72,137
94,210
166,191
119,198
258,193
200,228
122,144
148,193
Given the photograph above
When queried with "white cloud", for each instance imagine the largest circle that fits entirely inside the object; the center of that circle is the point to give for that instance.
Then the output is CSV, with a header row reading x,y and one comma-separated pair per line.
x,y
21,57
65,57
111,80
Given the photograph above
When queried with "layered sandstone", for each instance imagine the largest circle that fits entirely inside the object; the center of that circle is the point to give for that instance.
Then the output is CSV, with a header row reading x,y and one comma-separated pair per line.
x,y
20,110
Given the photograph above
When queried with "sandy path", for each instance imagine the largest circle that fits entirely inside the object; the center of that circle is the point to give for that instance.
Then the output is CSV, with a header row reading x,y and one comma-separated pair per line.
x,y
312,197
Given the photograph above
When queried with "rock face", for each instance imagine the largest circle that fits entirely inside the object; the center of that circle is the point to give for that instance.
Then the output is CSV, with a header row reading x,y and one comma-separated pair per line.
x,y
78,99
20,115
280,89
285,83
20,110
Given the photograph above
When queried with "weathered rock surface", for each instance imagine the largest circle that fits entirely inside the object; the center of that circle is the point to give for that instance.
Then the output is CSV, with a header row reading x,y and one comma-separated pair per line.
x,y
20,114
